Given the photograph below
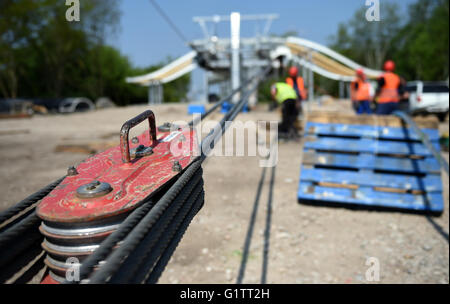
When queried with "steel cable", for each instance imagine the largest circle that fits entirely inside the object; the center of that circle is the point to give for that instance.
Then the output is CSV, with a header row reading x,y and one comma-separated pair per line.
x,y
20,261
220,102
425,140
27,223
138,233
141,224
167,254
108,244
30,200
135,259
221,127
163,242
251,225
214,134
30,239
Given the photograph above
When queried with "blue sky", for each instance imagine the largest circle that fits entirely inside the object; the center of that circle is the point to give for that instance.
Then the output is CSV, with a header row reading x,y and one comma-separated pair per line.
x,y
147,39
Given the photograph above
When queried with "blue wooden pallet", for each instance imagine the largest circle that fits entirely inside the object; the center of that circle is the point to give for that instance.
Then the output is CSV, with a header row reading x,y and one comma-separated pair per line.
x,y
427,183
370,166
365,161
342,130
367,145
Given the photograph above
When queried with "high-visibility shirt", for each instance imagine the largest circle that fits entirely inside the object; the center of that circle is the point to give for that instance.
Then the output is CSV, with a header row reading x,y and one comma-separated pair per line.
x,y
389,92
362,92
300,86
284,92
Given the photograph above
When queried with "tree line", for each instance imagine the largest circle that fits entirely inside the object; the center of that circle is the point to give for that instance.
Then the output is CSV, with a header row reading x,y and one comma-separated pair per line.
x,y
417,40
42,55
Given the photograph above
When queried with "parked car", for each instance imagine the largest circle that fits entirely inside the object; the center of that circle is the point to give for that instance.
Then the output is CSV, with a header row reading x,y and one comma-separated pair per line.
x,y
78,104
51,104
428,98
16,106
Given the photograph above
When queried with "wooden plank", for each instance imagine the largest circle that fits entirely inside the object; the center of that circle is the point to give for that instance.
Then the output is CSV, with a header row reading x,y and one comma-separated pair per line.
x,y
372,162
365,196
392,133
14,132
429,183
395,190
12,116
337,185
366,145
429,122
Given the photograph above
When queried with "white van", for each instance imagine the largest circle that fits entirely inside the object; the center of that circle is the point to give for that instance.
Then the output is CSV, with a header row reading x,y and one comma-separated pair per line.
x,y
428,98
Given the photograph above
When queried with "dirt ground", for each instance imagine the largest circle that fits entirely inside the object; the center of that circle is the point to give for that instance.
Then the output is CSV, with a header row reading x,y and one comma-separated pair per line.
x,y
307,244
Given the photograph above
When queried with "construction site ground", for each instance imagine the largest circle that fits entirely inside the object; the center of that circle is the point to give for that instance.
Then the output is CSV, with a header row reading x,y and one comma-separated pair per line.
x,y
307,244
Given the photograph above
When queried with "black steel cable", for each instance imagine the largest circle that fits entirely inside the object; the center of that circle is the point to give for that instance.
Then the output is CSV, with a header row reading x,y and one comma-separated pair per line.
x,y
169,21
212,136
135,227
425,140
134,260
163,242
29,240
165,257
248,237
15,220
108,244
33,270
237,108
30,200
138,233
29,222
20,261
265,261
220,102
124,229
221,127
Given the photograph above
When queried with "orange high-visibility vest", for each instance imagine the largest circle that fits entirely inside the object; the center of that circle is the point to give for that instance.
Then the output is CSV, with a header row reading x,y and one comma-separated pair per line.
x,y
363,91
389,92
300,85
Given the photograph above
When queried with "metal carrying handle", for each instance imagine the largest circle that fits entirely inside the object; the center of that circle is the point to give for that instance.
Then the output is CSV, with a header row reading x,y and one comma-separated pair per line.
x,y
124,132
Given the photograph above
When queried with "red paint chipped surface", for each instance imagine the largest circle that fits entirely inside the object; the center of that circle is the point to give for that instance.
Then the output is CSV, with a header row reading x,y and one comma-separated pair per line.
x,y
131,182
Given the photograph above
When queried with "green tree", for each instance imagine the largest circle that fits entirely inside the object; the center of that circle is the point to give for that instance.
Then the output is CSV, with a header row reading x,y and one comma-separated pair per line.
x,y
368,43
18,20
418,45
42,54
422,44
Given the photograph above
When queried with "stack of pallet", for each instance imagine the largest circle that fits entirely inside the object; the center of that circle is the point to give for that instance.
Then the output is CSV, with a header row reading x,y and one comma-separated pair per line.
x,y
370,161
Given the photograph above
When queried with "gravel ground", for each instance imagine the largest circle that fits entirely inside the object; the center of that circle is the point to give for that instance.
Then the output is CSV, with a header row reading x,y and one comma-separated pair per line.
x,y
307,244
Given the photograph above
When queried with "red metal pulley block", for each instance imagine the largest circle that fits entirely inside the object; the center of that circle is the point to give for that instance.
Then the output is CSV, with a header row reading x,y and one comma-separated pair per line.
x,y
97,195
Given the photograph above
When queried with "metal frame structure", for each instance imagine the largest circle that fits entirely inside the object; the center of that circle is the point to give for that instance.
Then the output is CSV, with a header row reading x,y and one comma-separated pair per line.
x,y
227,60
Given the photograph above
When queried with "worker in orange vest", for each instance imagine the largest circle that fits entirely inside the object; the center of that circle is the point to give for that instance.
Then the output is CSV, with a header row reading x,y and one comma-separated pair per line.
x,y
360,93
390,90
297,83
